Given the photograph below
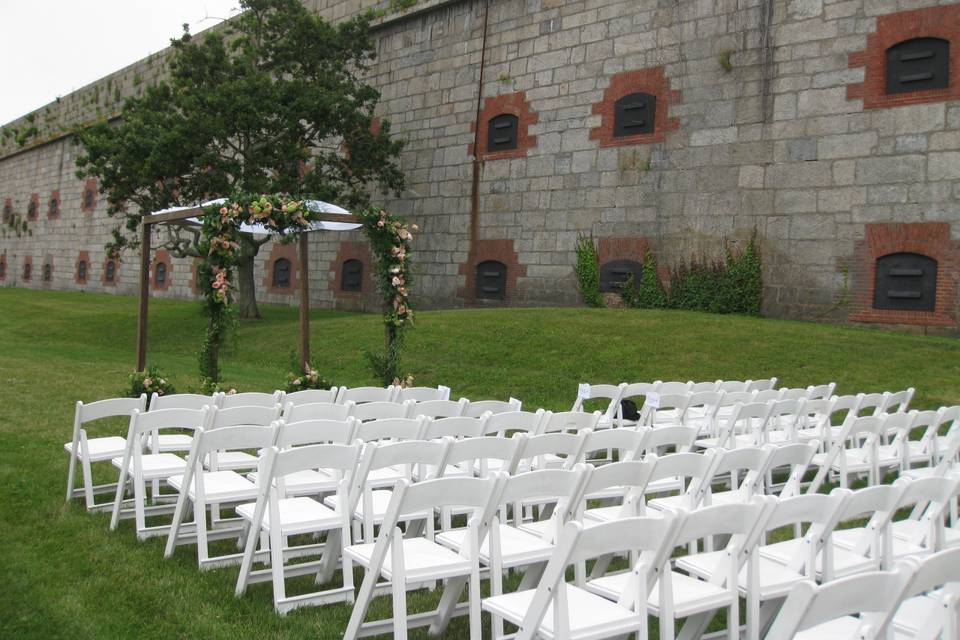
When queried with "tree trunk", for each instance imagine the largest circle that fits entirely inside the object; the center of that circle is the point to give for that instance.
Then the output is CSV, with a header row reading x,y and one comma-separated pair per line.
x,y
247,298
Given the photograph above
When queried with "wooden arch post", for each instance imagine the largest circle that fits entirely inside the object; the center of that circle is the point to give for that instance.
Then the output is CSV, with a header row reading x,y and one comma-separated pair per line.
x,y
179,216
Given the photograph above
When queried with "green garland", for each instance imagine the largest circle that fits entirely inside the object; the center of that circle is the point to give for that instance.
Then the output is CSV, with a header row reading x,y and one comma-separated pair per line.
x,y
389,238
220,246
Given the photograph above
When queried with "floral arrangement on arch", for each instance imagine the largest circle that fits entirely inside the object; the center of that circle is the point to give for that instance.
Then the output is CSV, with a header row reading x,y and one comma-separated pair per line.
x,y
389,238
220,246
149,382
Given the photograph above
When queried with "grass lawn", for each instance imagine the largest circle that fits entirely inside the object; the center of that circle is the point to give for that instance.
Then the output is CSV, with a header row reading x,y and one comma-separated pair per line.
x,y
65,575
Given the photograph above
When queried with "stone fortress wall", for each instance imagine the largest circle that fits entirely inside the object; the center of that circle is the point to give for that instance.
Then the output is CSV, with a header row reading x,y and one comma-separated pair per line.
x,y
774,116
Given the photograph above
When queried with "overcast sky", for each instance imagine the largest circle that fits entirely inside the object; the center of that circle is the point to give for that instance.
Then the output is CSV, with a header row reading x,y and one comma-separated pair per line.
x,y
50,48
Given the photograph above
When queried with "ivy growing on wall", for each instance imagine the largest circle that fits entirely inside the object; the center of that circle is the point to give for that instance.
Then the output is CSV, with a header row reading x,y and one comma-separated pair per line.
x,y
588,272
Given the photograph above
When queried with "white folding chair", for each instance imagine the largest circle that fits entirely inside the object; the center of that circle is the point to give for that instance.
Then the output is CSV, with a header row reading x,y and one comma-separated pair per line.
x,y
831,421
668,439
506,423
408,562
251,415
855,548
821,391
646,393
752,462
688,474
381,410
458,427
370,494
569,421
669,410
930,606
316,411
923,531
787,467
437,408
275,517
214,488
674,388
311,396
854,451
701,411
137,467
758,385
625,481
317,480
555,609
609,392
421,394
738,386
89,450
945,449
613,444
773,580
742,428
475,409
854,607
781,425
361,395
678,595
703,387
250,399
173,442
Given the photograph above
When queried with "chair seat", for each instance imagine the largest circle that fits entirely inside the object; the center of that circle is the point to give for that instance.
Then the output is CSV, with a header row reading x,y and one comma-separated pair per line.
x,y
915,530
591,616
305,482
670,502
776,580
172,442
155,465
422,560
517,548
664,485
845,562
379,501
916,613
844,628
385,477
728,497
929,472
219,486
297,515
234,460
690,595
100,449
595,516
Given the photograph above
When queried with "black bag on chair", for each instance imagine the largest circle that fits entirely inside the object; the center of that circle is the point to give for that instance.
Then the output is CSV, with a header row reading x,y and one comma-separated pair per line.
x,y
628,409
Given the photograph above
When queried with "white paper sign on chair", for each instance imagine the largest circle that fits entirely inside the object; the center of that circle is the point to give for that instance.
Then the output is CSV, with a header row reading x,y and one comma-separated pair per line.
x,y
583,391
653,400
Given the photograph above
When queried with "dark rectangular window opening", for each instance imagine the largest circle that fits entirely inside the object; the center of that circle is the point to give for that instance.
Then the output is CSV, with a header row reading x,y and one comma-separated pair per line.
x,y
634,114
917,65
351,276
502,133
491,280
906,282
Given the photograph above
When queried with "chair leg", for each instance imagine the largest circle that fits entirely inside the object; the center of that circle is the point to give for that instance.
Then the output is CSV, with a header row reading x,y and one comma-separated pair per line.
x,y
398,588
87,482
174,533
118,499
362,604
139,505
276,569
200,524
71,474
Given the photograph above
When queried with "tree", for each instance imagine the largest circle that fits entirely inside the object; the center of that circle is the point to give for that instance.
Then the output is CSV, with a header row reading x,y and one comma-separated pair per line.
x,y
273,101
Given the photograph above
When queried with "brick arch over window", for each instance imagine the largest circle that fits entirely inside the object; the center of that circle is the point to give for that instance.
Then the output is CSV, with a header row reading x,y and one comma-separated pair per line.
x,y
26,271
351,250
652,81
931,239
287,252
3,267
46,271
82,276
106,272
513,104
53,205
33,207
895,28
162,257
88,196
496,251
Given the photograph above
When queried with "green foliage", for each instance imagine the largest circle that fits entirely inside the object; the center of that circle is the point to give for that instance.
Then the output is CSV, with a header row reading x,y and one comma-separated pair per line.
x,y
149,382
248,108
724,60
389,237
588,272
304,376
733,285
650,294
209,387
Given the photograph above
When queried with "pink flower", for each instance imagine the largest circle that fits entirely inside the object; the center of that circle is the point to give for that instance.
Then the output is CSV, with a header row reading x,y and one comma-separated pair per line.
x,y
397,281
380,223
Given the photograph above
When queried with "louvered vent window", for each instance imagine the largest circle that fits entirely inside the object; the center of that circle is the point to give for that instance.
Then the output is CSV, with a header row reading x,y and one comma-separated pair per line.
x,y
906,281
111,272
492,280
54,209
351,276
82,271
502,133
47,272
26,271
3,270
161,274
616,272
89,198
634,114
32,209
281,273
918,64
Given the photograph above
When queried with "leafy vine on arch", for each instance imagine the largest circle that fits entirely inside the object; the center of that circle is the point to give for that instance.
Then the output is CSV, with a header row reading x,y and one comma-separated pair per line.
x,y
389,238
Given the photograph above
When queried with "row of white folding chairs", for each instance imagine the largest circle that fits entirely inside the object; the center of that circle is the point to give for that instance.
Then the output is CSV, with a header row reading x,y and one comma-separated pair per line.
x,y
917,599
627,391
85,450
